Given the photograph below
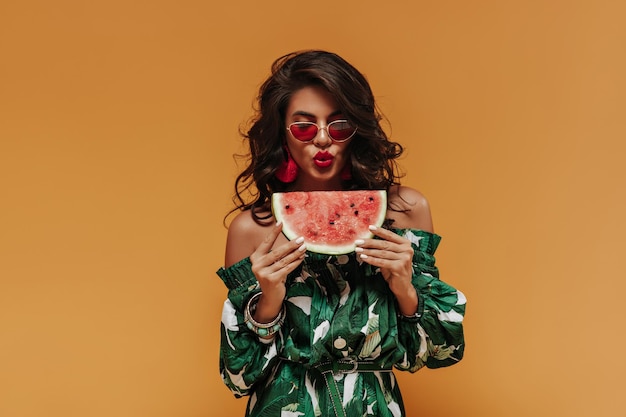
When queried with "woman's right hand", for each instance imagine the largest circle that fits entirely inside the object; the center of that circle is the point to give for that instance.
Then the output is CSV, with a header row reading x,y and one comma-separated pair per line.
x,y
271,267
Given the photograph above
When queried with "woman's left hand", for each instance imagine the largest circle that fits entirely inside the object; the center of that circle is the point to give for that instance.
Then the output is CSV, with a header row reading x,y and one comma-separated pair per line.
x,y
393,254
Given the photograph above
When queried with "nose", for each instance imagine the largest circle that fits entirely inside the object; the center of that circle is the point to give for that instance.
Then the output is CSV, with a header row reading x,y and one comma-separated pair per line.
x,y
322,139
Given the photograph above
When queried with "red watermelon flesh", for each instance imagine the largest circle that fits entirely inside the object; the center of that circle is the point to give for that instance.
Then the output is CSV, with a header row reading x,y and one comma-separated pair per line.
x,y
330,221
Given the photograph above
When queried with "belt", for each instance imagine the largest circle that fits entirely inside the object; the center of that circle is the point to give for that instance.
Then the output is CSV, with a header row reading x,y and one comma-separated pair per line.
x,y
343,366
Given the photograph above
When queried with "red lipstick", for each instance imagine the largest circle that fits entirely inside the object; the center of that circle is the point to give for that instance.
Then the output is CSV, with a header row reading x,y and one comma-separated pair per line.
x,y
323,159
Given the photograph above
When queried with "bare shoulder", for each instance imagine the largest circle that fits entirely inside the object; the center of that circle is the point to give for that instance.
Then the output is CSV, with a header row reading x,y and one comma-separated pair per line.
x,y
409,208
244,236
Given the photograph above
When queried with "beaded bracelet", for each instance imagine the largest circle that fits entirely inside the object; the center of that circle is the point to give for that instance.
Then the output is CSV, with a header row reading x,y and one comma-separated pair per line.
x,y
262,329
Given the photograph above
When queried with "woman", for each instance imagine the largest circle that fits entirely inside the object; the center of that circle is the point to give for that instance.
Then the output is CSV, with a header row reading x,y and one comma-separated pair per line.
x,y
306,334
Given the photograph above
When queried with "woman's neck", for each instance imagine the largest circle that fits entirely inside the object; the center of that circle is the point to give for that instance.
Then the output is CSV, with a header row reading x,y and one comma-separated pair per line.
x,y
304,185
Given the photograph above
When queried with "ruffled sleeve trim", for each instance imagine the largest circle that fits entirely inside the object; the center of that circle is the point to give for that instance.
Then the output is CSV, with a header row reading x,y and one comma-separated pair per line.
x,y
422,240
238,275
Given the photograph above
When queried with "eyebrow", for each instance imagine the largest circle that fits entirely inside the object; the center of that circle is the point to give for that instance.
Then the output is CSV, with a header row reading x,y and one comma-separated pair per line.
x,y
307,114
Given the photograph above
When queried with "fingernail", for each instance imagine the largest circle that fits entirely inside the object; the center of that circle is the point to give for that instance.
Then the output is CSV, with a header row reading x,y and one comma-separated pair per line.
x,y
372,227
359,242
302,248
358,249
278,223
363,256
300,239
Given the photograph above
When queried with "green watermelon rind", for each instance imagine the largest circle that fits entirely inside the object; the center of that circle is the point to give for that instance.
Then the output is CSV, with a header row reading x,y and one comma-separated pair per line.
x,y
329,249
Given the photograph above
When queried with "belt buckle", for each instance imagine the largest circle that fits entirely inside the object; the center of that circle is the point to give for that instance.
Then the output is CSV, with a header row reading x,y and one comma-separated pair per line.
x,y
349,361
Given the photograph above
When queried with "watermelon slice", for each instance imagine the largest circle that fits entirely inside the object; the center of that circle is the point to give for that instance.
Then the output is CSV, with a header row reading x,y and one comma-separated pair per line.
x,y
330,221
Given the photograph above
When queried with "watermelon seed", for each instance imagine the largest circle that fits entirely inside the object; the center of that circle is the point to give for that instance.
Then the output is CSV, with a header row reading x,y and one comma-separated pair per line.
x,y
331,222
356,212
287,206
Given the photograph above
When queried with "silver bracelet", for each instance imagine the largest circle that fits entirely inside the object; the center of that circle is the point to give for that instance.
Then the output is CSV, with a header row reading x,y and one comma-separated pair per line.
x,y
262,329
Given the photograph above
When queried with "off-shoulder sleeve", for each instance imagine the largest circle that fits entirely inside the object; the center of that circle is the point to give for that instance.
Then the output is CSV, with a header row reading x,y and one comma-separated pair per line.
x,y
434,337
245,358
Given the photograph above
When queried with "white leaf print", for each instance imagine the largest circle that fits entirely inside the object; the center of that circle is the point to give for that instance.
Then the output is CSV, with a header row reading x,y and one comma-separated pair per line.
x,y
451,316
271,352
442,352
395,409
229,318
237,379
369,344
423,342
413,239
372,320
321,330
285,413
302,302
310,388
348,387
460,298
375,353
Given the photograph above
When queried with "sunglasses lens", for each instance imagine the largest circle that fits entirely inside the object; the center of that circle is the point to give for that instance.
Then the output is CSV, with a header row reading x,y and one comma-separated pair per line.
x,y
303,131
340,130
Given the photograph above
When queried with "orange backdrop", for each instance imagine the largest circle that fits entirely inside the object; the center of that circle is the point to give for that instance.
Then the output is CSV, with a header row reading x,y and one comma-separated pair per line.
x,y
118,120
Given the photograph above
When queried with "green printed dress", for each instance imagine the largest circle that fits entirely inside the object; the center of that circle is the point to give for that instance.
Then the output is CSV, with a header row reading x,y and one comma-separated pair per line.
x,y
341,337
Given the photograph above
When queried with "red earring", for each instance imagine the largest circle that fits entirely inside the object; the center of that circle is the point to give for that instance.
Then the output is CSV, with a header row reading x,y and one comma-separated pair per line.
x,y
288,170
346,172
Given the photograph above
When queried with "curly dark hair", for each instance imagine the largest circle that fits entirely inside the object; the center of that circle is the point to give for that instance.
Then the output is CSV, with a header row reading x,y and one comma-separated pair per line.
x,y
372,155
